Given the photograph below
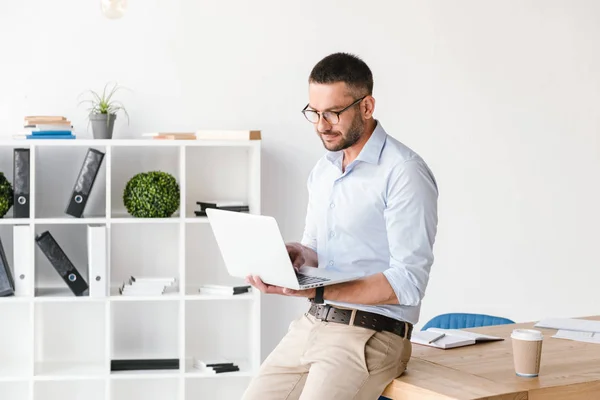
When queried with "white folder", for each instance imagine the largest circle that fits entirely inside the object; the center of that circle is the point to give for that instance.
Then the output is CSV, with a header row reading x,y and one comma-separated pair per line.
x,y
23,261
97,265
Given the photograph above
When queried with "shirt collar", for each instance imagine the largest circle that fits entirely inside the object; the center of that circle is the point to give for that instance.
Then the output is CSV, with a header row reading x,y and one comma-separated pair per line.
x,y
371,151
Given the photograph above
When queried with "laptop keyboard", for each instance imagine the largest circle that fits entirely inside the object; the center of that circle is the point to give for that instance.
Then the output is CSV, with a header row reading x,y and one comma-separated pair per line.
x,y
308,280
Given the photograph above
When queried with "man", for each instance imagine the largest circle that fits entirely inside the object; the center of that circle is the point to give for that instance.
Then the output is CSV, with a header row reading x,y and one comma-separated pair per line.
x,y
373,208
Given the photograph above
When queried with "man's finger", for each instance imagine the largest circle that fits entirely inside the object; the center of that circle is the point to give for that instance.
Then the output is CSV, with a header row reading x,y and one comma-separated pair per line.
x,y
274,289
258,283
299,262
251,281
301,293
263,287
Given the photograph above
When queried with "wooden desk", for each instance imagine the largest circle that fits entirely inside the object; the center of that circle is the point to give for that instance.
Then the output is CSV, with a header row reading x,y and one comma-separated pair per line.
x,y
569,371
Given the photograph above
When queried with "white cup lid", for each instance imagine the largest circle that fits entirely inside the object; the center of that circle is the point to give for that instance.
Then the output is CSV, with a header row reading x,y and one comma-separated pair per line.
x,y
527,334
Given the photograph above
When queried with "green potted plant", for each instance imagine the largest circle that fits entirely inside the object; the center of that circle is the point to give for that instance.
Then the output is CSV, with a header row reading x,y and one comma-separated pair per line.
x,y
153,194
103,111
6,195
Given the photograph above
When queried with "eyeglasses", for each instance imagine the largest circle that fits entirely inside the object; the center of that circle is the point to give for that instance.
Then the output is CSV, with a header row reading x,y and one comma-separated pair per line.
x,y
332,117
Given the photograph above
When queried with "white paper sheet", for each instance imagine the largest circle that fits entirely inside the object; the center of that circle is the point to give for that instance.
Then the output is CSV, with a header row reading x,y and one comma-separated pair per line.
x,y
589,337
570,324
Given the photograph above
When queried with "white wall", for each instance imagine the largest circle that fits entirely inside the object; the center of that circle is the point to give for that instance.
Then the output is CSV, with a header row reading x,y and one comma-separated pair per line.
x,y
502,98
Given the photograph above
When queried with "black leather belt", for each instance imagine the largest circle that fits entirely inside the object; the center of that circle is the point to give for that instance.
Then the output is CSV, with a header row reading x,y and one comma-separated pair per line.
x,y
326,312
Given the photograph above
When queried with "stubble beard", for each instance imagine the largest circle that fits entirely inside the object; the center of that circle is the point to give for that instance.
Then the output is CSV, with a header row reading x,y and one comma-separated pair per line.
x,y
349,139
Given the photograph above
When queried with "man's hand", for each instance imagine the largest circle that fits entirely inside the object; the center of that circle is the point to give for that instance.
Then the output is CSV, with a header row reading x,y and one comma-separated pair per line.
x,y
296,253
271,289
301,255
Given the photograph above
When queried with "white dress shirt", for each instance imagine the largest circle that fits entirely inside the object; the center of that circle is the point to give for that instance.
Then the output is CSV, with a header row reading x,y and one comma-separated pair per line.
x,y
379,215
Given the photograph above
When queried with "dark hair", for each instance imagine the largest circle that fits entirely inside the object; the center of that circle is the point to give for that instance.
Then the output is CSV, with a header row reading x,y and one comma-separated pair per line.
x,y
344,67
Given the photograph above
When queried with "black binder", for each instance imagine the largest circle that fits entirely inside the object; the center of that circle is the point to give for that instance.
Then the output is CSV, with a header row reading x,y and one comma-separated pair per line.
x,y
61,263
144,364
85,182
7,284
21,183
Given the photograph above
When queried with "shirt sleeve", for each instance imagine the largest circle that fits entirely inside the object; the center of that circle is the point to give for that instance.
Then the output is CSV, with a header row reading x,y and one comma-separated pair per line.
x,y
309,237
411,222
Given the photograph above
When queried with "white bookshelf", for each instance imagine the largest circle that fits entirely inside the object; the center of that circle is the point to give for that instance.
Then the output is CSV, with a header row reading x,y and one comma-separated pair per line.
x,y
55,345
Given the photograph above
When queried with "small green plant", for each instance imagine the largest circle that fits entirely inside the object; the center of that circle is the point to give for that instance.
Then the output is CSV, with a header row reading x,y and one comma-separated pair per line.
x,y
104,103
153,194
6,195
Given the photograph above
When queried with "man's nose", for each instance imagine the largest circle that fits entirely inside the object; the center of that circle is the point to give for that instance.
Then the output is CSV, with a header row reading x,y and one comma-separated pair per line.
x,y
323,126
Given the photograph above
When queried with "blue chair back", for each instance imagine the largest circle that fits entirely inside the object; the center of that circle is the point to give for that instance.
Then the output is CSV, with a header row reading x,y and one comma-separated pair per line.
x,y
465,320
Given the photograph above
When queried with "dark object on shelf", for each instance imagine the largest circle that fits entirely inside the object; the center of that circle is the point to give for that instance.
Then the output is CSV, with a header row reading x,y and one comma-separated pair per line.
x,y
225,368
6,195
220,206
61,263
84,183
144,364
212,367
21,171
220,365
153,194
7,284
224,290
241,289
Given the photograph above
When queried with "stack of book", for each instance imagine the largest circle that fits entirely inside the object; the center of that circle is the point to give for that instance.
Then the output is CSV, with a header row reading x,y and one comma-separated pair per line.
x,y
224,290
146,286
238,206
215,366
47,127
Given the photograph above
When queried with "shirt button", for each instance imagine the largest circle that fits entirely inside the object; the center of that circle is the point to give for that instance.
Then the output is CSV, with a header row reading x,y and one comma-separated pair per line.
x,y
331,234
330,262
331,205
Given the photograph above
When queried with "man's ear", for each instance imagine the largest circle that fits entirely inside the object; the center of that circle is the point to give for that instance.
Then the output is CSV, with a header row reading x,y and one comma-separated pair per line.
x,y
368,107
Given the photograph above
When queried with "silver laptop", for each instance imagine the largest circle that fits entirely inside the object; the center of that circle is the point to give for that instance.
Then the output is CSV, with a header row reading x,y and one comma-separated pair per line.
x,y
253,245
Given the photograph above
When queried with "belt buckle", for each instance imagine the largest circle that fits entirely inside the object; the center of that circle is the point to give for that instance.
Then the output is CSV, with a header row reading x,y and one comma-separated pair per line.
x,y
322,312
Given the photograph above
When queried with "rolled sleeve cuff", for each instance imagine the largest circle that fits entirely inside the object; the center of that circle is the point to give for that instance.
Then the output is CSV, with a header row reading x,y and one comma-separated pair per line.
x,y
406,292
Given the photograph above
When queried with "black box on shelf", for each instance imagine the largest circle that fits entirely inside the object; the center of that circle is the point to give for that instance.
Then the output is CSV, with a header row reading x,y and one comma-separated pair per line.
x,y
144,364
221,205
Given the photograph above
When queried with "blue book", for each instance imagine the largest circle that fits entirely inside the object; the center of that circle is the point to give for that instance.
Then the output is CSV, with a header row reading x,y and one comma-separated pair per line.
x,y
50,137
50,133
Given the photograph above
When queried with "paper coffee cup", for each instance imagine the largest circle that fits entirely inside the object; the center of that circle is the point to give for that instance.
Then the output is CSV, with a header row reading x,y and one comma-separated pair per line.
x,y
527,351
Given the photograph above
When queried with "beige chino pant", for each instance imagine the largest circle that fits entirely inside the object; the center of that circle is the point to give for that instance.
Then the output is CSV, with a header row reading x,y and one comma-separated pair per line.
x,y
319,360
